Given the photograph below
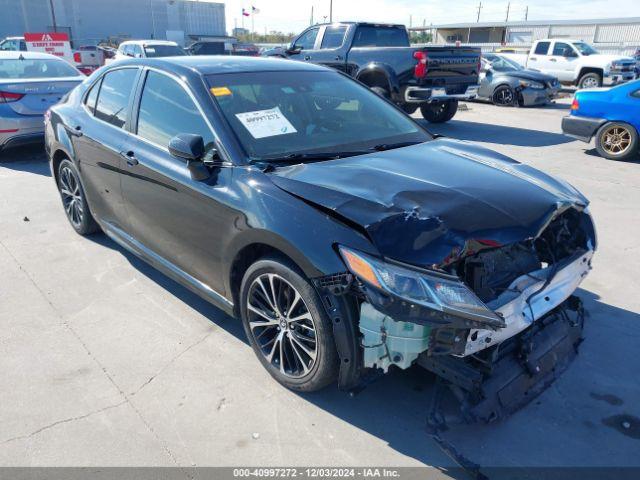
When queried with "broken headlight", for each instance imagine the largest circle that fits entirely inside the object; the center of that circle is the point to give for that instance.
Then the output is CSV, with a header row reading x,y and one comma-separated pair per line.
x,y
441,292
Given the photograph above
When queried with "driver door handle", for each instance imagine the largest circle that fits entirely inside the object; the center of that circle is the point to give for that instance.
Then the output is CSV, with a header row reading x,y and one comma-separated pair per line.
x,y
553,60
338,57
307,57
130,157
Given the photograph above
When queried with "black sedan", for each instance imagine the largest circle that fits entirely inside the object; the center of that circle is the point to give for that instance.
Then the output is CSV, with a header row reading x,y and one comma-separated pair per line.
x,y
344,235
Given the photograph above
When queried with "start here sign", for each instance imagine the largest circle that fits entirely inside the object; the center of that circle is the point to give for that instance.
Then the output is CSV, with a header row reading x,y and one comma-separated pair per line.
x,y
53,43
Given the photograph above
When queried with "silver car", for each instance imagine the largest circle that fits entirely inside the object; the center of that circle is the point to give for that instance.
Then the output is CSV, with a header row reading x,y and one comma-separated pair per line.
x,y
30,83
504,82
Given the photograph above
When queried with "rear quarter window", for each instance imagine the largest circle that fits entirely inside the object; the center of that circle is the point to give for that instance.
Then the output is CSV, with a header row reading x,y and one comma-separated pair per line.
x,y
378,36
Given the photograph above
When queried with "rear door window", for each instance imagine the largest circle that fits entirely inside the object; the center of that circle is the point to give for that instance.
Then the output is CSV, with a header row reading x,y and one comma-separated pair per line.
x,y
92,96
379,36
113,99
542,48
333,37
166,110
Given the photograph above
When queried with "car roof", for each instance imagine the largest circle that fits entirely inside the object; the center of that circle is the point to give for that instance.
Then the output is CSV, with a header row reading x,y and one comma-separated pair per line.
x,y
216,64
15,55
148,42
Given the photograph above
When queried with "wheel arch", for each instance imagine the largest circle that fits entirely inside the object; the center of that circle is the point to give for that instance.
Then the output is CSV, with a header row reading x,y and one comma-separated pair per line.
x,y
584,70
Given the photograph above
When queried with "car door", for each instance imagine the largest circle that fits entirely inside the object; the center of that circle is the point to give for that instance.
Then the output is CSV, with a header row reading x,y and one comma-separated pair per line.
x,y
562,61
98,136
176,218
539,57
331,52
306,45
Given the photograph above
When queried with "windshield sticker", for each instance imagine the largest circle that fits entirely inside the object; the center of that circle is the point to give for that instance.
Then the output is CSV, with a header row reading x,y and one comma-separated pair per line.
x,y
266,123
220,91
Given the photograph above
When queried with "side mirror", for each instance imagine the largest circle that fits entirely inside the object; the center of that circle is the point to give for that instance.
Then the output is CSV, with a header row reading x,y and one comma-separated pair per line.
x,y
292,49
190,148
187,146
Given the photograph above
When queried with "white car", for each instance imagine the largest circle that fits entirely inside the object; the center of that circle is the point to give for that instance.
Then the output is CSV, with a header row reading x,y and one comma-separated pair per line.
x,y
575,62
30,83
148,49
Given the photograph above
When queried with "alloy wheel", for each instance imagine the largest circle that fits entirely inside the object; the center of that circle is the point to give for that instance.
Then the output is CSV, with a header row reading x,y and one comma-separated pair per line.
x,y
282,325
616,140
590,82
504,96
71,196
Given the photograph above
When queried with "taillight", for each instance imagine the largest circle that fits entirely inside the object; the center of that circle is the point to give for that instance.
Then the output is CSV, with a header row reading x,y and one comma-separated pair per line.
x,y
8,97
420,71
575,105
77,57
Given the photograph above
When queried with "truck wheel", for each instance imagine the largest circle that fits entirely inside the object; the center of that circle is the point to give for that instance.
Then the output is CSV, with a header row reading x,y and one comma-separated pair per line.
x,y
383,92
590,80
504,96
439,112
617,141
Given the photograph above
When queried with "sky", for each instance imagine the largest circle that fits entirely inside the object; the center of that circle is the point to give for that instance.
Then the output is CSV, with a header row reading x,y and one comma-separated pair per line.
x,y
295,15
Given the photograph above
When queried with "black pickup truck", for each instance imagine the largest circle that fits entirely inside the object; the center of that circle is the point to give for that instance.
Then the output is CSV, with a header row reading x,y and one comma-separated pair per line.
x,y
380,56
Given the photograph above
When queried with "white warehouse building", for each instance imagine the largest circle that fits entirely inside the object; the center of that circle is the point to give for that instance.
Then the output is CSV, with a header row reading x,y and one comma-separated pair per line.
x,y
91,21
608,35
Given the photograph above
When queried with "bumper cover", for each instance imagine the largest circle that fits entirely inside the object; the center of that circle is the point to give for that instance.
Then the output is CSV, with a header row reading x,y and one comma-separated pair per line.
x,y
616,78
423,94
538,96
520,369
581,128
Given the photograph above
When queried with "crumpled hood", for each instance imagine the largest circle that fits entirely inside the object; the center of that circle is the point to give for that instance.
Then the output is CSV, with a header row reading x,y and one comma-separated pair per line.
x,y
530,75
427,203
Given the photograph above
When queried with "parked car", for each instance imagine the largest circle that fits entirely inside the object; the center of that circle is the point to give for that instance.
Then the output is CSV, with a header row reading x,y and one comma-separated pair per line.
x,y
13,44
246,50
431,78
575,62
30,83
504,82
610,116
148,49
208,47
343,235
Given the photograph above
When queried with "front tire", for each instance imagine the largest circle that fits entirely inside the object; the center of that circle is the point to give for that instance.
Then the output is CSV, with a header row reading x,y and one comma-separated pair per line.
x,y
590,80
287,326
74,199
617,141
504,96
439,112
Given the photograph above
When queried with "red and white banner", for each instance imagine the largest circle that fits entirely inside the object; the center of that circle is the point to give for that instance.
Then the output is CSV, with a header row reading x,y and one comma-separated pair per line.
x,y
53,43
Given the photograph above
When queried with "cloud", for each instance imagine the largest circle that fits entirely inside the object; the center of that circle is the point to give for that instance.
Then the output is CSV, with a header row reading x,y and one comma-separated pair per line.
x,y
295,15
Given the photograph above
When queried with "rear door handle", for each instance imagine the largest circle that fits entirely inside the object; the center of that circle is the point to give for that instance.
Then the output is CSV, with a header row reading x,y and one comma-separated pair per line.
x,y
553,60
130,157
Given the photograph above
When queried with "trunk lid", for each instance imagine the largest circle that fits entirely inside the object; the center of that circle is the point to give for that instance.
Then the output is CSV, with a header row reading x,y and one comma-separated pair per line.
x,y
39,95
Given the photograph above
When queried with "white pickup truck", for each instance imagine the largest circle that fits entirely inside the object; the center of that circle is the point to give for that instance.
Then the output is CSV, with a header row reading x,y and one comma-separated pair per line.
x,y
575,62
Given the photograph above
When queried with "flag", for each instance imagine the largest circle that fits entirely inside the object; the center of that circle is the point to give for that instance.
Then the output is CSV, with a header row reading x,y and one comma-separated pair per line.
x,y
254,10
245,13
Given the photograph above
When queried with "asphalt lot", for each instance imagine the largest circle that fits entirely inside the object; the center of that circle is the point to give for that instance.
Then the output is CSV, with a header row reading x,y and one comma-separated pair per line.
x,y
106,362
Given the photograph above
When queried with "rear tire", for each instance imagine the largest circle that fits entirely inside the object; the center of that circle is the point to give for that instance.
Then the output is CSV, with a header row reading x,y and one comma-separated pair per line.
x,y
305,359
74,199
617,141
383,92
590,80
439,112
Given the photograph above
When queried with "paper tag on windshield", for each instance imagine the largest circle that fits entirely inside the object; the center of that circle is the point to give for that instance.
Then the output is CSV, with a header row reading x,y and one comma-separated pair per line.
x,y
266,123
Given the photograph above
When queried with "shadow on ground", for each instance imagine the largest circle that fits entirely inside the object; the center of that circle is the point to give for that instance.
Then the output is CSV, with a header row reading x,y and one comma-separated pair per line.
x,y
31,159
577,422
498,134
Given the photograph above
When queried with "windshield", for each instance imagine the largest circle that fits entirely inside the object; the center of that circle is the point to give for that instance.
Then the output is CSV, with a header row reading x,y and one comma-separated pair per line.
x,y
36,69
282,114
153,51
502,64
585,48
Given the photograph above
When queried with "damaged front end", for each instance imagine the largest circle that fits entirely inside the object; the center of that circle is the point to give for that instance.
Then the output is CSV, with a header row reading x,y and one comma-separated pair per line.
x,y
497,323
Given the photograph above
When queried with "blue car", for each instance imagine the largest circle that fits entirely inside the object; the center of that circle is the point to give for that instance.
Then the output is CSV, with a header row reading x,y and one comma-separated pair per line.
x,y
611,115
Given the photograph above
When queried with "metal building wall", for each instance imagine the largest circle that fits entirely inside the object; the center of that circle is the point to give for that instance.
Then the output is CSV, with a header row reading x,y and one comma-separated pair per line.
x,y
617,33
579,32
91,21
